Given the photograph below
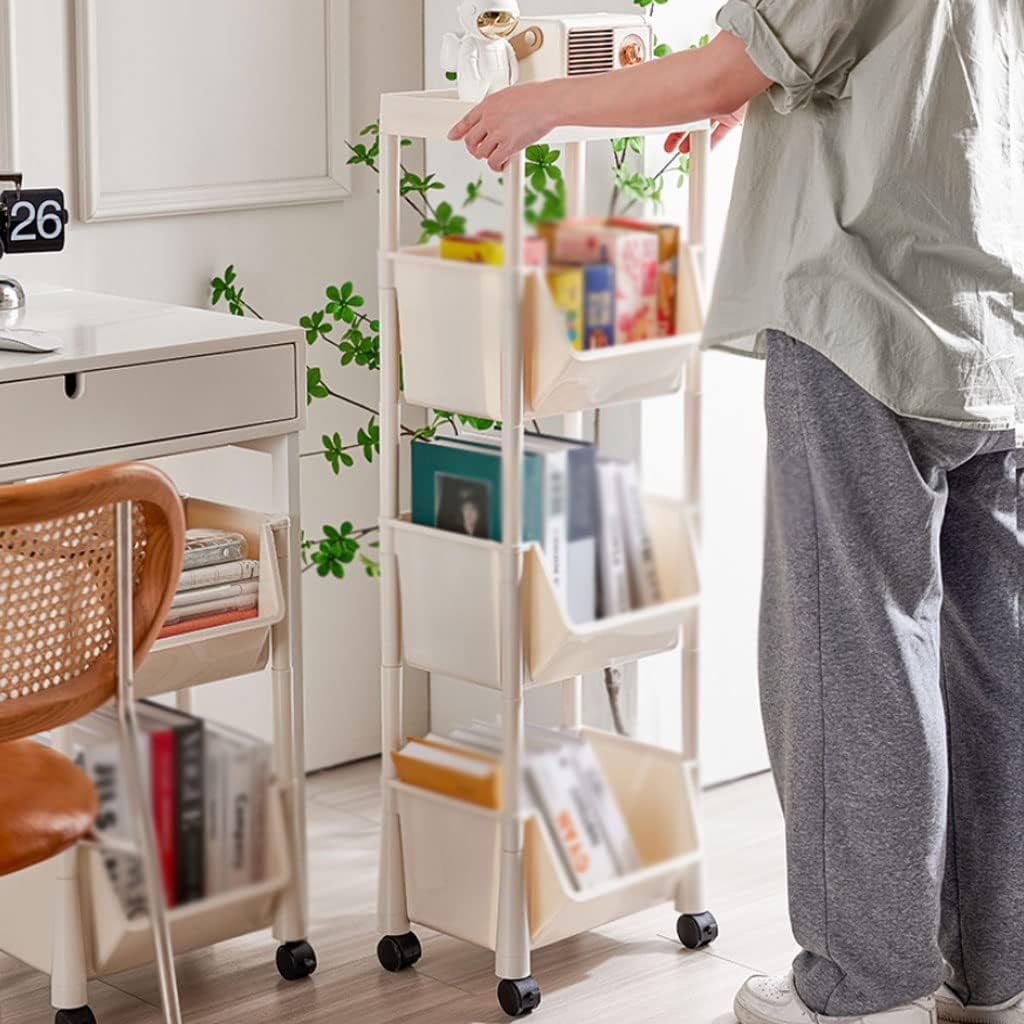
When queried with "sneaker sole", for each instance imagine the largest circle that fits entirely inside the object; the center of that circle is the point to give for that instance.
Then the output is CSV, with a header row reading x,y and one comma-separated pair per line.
x,y
745,1015
964,1015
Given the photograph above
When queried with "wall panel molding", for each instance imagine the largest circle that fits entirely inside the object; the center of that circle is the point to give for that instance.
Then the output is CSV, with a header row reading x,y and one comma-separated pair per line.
x,y
99,201
8,90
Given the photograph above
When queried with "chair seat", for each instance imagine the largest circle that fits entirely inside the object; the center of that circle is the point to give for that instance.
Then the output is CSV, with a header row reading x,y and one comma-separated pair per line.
x,y
47,803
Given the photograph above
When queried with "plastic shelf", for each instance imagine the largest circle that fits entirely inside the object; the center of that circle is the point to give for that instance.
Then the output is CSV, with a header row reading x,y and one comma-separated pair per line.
x,y
452,852
237,648
450,598
115,943
450,331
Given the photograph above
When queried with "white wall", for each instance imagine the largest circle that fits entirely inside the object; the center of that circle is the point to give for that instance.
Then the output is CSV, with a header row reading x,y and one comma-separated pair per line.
x,y
197,104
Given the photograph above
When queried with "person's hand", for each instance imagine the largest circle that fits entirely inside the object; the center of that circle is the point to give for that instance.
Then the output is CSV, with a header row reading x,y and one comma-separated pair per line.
x,y
723,124
506,123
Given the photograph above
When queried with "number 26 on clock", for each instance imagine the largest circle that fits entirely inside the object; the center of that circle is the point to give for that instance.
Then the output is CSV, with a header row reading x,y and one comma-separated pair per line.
x,y
32,220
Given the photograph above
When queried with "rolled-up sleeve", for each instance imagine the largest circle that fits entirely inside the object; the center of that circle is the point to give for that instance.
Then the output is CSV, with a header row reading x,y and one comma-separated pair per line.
x,y
806,47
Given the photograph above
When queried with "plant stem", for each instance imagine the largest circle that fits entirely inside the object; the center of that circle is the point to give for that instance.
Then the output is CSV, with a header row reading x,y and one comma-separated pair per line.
x,y
376,170
426,199
671,160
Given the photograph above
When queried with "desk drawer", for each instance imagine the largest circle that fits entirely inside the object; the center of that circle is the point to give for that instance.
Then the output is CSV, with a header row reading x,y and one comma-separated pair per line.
x,y
147,402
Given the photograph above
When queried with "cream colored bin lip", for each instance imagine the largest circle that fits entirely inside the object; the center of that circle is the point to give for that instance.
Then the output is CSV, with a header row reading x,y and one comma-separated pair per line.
x,y
129,943
658,878
556,647
558,379
157,675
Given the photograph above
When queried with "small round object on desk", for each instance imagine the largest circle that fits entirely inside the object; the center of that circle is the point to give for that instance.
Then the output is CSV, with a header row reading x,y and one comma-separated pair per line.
x,y
83,1015
696,931
519,996
12,295
396,952
296,960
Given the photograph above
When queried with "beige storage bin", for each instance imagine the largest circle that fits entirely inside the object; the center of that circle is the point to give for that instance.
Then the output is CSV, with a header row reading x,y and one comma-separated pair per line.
x,y
449,587
450,328
238,648
452,852
114,943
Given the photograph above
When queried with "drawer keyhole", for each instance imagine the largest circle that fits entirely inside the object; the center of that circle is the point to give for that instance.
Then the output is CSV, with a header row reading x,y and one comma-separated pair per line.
x,y
74,384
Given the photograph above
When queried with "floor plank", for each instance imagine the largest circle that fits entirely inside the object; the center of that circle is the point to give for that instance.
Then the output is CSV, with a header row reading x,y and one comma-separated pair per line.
x,y
632,970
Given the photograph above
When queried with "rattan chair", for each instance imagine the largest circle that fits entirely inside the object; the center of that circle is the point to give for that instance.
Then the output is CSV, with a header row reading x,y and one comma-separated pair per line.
x,y
89,563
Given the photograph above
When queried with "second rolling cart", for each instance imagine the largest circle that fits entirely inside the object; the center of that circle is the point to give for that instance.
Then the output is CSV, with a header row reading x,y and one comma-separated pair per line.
x,y
489,341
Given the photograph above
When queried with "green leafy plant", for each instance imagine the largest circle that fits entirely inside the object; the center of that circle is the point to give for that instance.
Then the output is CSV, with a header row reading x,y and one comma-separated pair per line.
x,y
345,335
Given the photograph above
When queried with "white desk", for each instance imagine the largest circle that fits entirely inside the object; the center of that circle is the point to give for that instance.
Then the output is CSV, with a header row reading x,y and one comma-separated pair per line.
x,y
138,380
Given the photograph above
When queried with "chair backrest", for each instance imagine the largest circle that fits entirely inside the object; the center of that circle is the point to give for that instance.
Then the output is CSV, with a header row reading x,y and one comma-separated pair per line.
x,y
58,588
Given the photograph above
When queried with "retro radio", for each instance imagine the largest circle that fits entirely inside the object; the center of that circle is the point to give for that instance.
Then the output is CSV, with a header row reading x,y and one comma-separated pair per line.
x,y
586,44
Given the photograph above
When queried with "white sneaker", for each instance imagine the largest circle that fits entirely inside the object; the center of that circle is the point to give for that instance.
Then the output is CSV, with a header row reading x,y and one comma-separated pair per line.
x,y
951,1009
764,1000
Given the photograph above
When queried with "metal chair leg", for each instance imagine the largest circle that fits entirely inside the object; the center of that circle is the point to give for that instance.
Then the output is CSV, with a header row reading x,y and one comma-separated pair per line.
x,y
138,791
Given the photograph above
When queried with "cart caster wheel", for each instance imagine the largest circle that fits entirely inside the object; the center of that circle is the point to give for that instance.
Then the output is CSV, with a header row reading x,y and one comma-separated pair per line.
x,y
518,997
396,952
83,1015
296,960
696,931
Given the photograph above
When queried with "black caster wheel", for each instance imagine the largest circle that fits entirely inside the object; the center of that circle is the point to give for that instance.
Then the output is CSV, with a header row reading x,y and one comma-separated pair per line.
x,y
518,997
696,931
296,960
396,952
83,1015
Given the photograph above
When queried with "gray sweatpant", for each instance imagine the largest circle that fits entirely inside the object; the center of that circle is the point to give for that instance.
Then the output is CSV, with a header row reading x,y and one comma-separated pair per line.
x,y
892,685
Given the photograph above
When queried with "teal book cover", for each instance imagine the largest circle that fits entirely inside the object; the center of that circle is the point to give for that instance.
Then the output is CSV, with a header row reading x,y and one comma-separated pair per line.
x,y
456,486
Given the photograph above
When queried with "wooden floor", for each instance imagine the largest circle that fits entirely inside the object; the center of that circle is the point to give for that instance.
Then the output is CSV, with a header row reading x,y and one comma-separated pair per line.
x,y
631,972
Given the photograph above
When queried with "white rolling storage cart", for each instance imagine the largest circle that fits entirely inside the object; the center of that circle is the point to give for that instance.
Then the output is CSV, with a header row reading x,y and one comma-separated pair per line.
x,y
489,341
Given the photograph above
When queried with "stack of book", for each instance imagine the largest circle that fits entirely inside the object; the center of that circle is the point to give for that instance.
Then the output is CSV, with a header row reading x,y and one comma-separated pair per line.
x,y
585,510
208,787
218,583
565,785
615,280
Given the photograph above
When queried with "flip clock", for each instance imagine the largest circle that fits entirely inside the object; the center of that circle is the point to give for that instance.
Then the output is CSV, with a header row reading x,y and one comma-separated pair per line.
x,y
31,220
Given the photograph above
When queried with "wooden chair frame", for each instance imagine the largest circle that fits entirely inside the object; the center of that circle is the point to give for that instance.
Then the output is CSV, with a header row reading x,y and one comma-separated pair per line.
x,y
142,605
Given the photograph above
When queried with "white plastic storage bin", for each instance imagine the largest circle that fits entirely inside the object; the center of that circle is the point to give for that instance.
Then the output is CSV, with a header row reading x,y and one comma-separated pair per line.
x,y
449,587
238,648
114,943
450,328
452,852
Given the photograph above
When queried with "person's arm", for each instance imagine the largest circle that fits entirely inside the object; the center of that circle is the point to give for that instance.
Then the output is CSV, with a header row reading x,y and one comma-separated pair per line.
x,y
713,81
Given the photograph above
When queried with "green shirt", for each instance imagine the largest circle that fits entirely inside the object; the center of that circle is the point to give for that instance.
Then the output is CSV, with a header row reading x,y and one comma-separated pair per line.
x,y
878,210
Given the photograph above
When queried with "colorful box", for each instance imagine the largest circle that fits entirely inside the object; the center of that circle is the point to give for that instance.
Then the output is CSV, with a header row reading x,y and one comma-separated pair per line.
x,y
668,268
634,257
487,247
566,284
598,305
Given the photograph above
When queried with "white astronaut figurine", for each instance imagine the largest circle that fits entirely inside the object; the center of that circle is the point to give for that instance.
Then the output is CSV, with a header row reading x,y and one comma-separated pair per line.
x,y
483,58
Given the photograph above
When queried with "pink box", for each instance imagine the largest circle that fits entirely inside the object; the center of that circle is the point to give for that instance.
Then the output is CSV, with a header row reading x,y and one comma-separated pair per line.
x,y
634,257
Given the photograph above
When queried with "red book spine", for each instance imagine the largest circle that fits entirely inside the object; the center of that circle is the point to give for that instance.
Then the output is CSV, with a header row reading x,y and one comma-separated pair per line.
x,y
163,772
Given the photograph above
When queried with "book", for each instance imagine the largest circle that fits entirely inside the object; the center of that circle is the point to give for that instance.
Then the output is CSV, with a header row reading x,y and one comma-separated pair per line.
x,y
642,568
207,622
554,780
569,542
177,751
240,603
566,286
211,547
668,268
456,486
613,574
489,247
225,572
634,258
598,305
443,768
201,595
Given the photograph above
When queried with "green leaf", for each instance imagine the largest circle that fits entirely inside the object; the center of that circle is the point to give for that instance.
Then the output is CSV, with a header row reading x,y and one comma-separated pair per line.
x,y
662,50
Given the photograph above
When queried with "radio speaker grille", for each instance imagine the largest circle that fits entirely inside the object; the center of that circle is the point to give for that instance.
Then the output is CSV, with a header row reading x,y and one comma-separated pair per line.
x,y
591,51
